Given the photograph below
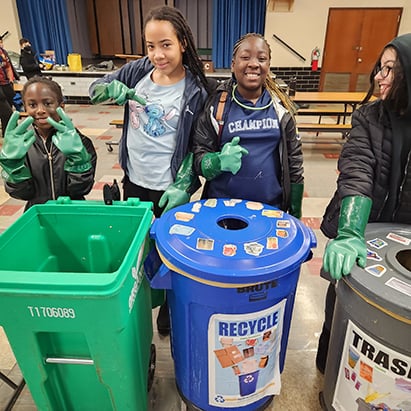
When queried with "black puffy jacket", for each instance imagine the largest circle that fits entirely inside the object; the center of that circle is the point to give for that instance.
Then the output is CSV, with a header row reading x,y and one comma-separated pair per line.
x,y
364,165
49,179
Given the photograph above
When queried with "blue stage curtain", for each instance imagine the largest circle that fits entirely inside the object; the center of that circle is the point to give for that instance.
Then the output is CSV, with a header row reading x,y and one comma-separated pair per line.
x,y
45,24
231,20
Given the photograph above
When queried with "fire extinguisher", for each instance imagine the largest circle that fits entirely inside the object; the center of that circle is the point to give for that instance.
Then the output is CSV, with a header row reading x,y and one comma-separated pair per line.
x,y
315,56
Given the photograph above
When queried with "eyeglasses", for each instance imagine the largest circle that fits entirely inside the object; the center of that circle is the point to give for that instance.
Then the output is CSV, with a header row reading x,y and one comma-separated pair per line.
x,y
384,71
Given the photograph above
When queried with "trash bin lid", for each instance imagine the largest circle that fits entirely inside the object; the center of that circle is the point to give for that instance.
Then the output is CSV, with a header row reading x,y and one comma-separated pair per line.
x,y
386,279
231,241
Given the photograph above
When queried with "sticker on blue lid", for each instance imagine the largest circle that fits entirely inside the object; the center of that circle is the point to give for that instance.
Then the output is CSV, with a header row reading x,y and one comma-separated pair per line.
x,y
253,248
283,224
181,229
211,202
229,250
232,202
272,243
254,205
196,207
273,213
282,233
183,216
205,244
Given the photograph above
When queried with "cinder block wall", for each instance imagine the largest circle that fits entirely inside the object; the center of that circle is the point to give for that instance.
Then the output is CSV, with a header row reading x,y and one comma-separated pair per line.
x,y
307,80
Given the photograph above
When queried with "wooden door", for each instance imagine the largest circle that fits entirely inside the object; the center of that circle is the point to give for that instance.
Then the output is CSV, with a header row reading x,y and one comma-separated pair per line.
x,y
115,26
354,40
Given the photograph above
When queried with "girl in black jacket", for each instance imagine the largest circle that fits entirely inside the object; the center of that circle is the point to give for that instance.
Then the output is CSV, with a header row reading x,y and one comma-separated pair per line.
x,y
246,144
374,184
44,156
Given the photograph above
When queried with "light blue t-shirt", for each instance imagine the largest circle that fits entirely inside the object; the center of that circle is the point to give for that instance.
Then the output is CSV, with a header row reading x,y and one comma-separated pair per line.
x,y
151,137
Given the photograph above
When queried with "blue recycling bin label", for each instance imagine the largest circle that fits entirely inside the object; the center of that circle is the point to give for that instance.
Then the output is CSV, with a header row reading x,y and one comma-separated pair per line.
x,y
243,356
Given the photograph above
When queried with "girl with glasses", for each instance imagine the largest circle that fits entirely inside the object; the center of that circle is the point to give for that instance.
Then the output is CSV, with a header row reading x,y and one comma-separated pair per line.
x,y
374,184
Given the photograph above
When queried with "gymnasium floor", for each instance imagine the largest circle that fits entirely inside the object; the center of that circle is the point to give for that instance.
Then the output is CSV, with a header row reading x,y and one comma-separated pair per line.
x,y
301,382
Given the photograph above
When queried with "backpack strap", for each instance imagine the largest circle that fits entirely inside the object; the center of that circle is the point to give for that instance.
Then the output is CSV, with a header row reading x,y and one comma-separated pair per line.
x,y
220,111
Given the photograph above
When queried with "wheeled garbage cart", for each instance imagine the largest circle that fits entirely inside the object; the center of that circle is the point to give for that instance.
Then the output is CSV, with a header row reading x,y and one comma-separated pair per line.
x,y
369,359
76,306
231,269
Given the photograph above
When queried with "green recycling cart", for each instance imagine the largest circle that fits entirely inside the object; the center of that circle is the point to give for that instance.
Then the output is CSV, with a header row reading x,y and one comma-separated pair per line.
x,y
75,304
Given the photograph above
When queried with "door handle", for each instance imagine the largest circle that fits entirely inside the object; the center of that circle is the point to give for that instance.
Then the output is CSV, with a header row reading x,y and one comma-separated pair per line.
x,y
359,60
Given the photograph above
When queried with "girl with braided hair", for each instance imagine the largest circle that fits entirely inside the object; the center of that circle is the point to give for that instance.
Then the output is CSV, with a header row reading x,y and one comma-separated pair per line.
x,y
162,95
246,144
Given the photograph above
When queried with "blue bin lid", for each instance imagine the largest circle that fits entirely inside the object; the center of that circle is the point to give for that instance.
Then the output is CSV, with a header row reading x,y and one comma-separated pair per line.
x,y
231,241
386,279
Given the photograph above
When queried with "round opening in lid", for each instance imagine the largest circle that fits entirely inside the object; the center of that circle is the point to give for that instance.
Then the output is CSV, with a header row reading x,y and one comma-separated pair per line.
x,y
232,223
404,258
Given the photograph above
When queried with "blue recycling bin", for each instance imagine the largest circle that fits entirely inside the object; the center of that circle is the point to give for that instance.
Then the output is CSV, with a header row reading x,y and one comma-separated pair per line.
x,y
248,383
230,268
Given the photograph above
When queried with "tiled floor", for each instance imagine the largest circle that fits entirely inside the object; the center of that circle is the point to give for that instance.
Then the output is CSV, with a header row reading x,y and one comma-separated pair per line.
x,y
301,382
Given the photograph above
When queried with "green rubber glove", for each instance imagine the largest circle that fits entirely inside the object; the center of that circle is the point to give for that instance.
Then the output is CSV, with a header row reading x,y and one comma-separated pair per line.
x,y
69,143
17,141
173,197
117,91
296,200
177,193
228,159
349,245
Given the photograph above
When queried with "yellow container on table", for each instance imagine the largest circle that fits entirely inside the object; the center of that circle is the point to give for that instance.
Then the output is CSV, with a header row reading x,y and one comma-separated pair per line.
x,y
74,62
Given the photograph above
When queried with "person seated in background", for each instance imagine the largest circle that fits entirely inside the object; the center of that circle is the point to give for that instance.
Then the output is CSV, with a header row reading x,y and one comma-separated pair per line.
x,y
246,144
45,156
28,60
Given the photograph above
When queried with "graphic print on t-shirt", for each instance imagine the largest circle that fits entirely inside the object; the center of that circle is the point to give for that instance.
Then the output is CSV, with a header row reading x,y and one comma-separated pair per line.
x,y
152,117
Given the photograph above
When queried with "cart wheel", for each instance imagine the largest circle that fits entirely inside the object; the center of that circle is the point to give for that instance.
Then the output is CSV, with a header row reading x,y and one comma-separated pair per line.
x,y
151,367
109,148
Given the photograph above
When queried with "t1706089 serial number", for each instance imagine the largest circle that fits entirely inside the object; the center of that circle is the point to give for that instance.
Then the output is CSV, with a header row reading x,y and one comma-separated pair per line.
x,y
51,312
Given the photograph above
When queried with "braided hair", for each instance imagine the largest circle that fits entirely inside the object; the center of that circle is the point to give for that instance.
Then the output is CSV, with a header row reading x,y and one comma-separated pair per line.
x,y
269,83
185,36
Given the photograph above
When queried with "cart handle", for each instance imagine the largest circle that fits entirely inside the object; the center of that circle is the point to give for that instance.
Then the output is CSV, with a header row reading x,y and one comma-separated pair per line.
x,y
60,360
